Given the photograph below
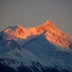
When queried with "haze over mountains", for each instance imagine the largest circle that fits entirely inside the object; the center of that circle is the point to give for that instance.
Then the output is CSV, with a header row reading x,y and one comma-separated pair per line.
x,y
41,49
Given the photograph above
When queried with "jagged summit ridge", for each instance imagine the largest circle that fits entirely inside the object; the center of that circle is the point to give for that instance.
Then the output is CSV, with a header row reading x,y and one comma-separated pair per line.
x,y
53,34
39,53
48,25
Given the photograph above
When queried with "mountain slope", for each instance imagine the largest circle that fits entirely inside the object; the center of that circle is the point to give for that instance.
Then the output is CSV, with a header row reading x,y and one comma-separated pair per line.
x,y
53,34
37,55
48,25
47,58
40,49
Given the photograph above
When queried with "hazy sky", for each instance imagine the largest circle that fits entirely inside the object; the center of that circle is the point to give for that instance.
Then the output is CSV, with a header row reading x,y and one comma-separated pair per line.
x,y
30,13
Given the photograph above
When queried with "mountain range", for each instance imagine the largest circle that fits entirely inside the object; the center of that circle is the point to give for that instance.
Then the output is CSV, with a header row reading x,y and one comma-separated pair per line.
x,y
44,48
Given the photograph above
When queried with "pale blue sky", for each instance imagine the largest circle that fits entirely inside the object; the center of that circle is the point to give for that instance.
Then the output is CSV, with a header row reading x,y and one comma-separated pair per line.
x,y
31,13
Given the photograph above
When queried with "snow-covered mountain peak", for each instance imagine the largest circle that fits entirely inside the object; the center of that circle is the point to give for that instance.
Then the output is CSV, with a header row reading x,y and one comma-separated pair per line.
x,y
48,23
53,34
36,49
